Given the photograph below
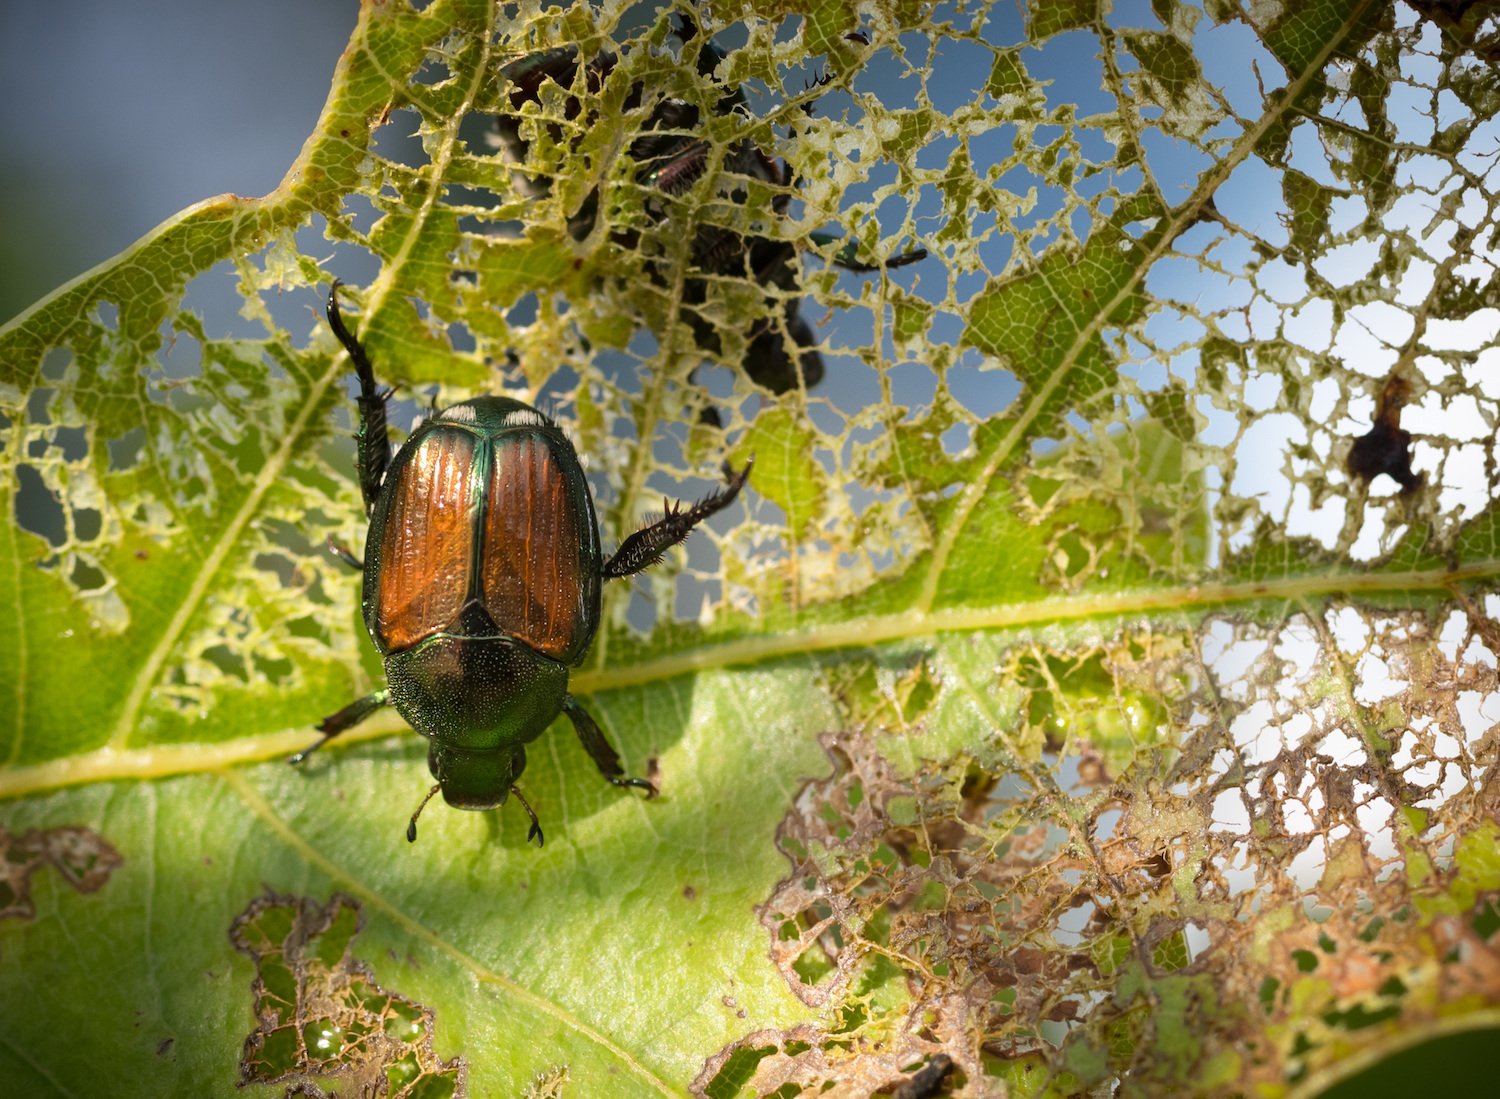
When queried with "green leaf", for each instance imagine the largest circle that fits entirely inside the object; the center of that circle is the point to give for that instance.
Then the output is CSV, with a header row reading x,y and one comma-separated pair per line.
x,y
1058,709
1065,15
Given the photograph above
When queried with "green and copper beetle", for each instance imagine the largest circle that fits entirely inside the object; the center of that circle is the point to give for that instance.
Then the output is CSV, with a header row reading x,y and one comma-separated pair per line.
x,y
482,577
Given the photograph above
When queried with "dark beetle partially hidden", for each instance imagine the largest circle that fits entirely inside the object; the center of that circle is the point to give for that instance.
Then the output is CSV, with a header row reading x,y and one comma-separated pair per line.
x,y
481,588
671,156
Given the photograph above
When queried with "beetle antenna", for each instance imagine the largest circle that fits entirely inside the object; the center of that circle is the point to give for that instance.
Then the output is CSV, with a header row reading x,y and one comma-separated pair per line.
x,y
411,829
535,832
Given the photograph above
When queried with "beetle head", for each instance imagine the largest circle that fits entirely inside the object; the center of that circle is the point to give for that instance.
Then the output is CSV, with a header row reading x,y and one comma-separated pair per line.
x,y
475,780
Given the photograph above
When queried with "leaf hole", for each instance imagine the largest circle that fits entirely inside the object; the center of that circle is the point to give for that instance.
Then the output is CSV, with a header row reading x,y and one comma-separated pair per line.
x,y
126,451
397,142
87,576
39,509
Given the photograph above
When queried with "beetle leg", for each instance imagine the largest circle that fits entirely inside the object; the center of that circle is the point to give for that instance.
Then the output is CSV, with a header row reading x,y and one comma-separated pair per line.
x,y
345,554
600,750
847,257
645,547
351,715
372,438
535,831
411,827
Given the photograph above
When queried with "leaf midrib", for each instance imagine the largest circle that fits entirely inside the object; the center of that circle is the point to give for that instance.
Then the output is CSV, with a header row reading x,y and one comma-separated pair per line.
x,y
160,761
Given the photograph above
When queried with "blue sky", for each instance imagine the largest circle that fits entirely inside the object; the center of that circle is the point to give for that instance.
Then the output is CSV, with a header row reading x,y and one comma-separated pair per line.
x,y
115,116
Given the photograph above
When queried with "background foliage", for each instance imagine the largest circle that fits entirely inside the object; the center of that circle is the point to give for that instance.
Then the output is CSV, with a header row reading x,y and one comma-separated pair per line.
x,y
1071,697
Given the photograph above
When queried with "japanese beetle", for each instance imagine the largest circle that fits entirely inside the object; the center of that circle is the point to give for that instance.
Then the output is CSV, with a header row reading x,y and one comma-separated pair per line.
x,y
669,160
482,577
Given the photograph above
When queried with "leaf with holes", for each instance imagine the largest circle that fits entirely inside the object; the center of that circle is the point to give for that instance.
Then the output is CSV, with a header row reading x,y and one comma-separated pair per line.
x,y
1094,689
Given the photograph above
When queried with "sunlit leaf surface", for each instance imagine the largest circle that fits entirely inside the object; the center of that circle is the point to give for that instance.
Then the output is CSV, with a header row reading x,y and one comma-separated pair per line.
x,y
1094,690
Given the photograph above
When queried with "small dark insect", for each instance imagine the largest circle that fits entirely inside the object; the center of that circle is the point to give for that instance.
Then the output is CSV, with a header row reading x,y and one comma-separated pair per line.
x,y
482,578
1386,447
671,157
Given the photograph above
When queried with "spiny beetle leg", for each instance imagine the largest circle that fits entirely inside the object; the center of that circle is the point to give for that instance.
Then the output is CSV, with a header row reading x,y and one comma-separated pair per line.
x,y
373,437
535,831
645,547
350,716
600,750
345,554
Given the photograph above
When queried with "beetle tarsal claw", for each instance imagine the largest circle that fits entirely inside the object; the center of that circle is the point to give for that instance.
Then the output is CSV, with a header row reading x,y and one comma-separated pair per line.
x,y
343,553
737,479
635,783
646,546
